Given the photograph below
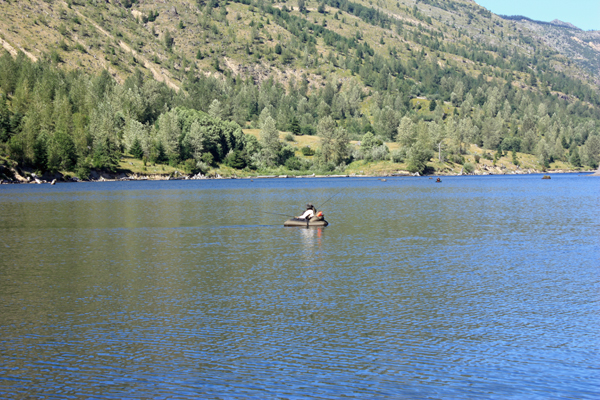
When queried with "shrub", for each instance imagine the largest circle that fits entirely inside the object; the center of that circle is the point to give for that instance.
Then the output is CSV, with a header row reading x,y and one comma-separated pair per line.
x,y
417,158
235,160
457,159
398,156
369,141
308,130
289,137
294,164
207,158
468,168
83,172
285,153
190,166
307,151
477,158
63,45
380,153
55,57
202,167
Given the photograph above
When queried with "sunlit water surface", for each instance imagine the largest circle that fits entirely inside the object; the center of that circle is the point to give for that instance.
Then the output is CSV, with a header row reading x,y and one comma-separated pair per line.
x,y
476,287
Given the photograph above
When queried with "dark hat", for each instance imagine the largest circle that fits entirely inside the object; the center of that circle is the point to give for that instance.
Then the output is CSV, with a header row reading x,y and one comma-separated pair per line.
x,y
309,205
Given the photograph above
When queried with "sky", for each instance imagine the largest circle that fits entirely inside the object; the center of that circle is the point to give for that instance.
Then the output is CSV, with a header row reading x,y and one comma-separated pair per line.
x,y
584,14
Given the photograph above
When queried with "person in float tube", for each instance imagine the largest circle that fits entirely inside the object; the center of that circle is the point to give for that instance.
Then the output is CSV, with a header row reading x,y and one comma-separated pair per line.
x,y
309,213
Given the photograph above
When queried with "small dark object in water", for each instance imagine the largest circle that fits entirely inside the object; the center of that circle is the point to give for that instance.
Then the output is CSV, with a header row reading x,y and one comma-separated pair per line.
x,y
546,177
438,180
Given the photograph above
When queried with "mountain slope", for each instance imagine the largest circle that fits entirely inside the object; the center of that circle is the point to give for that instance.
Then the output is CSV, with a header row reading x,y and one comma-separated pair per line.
x,y
428,74
119,37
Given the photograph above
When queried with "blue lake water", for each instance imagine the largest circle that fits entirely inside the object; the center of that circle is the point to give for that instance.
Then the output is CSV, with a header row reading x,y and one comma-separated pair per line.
x,y
476,287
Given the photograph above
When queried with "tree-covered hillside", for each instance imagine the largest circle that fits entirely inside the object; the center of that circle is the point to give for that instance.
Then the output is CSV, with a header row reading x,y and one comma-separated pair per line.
x,y
84,82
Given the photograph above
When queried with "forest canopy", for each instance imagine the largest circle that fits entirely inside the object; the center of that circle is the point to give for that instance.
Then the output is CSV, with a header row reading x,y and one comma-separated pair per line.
x,y
53,120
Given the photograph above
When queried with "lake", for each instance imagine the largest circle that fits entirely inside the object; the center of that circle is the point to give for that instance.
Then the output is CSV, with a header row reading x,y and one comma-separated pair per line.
x,y
476,287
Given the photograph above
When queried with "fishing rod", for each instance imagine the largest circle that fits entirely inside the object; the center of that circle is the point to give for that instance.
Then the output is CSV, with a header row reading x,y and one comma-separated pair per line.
x,y
285,215
322,204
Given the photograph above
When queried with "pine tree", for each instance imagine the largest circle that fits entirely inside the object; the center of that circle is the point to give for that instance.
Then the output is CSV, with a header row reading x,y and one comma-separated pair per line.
x,y
334,141
432,105
215,110
575,160
169,41
295,126
269,139
5,131
136,149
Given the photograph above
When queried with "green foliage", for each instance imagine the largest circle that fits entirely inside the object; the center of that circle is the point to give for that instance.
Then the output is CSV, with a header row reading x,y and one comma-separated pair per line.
x,y
136,149
61,152
432,105
380,153
456,158
235,159
468,168
106,155
369,141
157,153
575,160
295,164
269,140
168,40
334,142
295,126
307,151
285,154
364,91
398,156
308,130
152,15
417,158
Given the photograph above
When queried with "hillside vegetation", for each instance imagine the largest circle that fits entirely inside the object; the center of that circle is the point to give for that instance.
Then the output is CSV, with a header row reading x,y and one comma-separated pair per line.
x,y
423,86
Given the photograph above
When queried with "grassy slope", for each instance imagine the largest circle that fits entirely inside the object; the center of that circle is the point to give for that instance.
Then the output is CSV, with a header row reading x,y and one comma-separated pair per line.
x,y
503,165
108,36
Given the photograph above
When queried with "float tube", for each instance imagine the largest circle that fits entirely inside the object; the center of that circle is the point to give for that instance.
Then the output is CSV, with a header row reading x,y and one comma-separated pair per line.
x,y
317,220
304,222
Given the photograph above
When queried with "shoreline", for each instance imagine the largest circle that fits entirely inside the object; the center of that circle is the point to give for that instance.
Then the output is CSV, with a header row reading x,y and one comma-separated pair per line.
x,y
123,176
